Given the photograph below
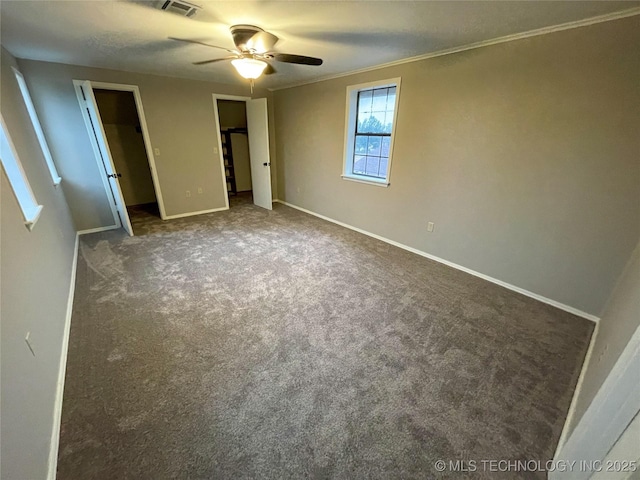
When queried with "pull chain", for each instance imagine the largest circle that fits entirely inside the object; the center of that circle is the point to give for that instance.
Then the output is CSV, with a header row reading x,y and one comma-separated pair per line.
x,y
251,82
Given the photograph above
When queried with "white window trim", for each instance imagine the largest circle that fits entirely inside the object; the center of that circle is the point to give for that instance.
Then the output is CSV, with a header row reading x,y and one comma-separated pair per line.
x,y
37,127
350,130
19,183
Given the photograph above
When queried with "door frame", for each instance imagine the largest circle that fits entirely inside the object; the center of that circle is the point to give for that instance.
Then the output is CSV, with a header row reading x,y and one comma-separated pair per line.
x,y
216,114
145,136
610,413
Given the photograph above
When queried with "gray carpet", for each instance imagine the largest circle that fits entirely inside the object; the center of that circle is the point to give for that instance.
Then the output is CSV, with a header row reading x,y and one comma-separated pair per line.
x,y
256,344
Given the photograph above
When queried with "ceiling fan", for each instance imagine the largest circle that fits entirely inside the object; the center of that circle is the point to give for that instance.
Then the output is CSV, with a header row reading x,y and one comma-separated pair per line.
x,y
253,52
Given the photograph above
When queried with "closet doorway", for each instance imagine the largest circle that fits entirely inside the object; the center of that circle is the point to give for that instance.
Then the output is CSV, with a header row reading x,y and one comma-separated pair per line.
x,y
243,139
235,150
124,130
124,136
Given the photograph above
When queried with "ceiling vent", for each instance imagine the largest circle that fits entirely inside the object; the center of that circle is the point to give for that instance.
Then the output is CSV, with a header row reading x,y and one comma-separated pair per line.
x,y
180,7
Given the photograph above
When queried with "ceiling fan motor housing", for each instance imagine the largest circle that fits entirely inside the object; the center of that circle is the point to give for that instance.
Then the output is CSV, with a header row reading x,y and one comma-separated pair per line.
x,y
242,34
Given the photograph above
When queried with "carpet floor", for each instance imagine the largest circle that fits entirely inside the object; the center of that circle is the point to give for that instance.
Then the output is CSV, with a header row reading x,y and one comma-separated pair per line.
x,y
272,344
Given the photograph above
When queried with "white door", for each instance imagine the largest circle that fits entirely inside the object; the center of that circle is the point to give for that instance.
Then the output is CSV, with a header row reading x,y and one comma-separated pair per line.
x,y
258,127
105,155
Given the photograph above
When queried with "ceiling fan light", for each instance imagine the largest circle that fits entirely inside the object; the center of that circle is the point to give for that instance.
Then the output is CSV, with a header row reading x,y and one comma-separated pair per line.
x,y
249,67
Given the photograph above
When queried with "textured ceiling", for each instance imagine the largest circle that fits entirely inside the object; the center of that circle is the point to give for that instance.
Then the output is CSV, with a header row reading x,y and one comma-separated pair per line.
x,y
132,35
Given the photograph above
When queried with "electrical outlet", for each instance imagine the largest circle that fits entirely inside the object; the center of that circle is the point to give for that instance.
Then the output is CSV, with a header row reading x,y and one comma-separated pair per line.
x,y
430,227
156,151
200,190
188,194
215,149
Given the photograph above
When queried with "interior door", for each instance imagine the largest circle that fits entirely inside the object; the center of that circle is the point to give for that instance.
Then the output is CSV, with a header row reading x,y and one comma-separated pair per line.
x,y
258,127
105,154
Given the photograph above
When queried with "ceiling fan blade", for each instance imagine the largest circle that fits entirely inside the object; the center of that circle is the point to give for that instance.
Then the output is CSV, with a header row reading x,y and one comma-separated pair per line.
x,y
262,42
269,70
300,59
197,42
205,62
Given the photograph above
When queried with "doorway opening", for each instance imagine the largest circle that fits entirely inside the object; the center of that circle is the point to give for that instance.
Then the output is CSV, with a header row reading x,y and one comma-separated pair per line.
x,y
122,149
242,130
235,151
123,132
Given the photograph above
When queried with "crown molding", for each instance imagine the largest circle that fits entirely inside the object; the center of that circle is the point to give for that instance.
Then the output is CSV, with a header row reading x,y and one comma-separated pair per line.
x,y
470,46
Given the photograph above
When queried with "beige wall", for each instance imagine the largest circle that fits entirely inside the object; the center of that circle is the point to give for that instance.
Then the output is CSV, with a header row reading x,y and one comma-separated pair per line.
x,y
232,114
180,119
525,155
620,320
35,273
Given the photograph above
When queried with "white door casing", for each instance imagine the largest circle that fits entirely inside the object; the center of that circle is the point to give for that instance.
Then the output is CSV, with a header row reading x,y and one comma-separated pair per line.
x,y
609,415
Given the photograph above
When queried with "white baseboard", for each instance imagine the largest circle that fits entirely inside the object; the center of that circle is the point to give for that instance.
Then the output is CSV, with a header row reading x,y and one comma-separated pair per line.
x,y
57,409
576,392
97,229
540,298
190,214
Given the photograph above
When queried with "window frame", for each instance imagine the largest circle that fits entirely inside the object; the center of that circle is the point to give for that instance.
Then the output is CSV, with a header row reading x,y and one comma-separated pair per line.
x,y
351,116
17,178
35,121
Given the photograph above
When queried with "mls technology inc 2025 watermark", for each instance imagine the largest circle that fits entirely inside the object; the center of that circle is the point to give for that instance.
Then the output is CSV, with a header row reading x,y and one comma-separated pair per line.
x,y
470,466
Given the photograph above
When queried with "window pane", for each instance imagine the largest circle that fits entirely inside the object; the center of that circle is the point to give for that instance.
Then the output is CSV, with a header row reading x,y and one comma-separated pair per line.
x,y
388,122
374,146
386,144
373,164
380,99
364,104
391,99
361,144
384,162
373,124
375,110
359,164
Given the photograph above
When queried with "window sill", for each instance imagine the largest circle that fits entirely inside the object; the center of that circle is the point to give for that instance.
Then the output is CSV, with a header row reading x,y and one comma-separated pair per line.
x,y
32,216
370,181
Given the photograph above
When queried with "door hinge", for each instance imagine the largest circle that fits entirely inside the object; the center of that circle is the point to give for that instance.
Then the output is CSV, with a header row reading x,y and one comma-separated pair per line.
x,y
114,175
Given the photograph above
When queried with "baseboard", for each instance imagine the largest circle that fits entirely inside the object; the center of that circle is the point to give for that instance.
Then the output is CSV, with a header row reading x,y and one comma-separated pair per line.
x,y
97,229
57,409
535,296
191,214
576,392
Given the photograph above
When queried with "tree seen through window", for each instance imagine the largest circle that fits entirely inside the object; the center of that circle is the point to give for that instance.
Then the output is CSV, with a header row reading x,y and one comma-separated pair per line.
x,y
373,131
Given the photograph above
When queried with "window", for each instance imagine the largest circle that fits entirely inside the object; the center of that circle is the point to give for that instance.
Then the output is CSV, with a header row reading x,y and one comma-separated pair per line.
x,y
38,128
371,120
18,180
